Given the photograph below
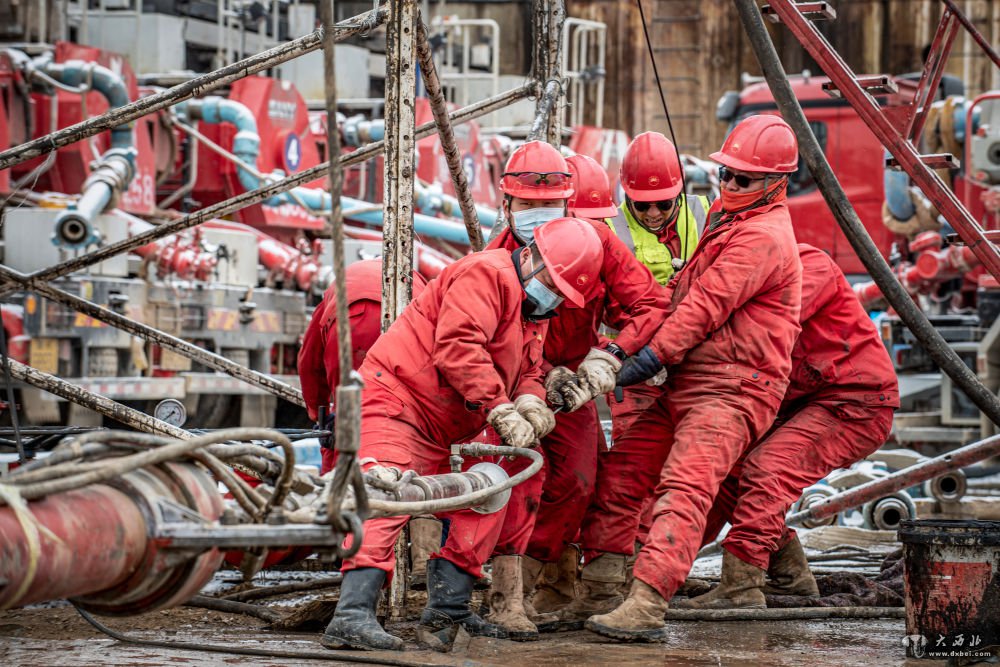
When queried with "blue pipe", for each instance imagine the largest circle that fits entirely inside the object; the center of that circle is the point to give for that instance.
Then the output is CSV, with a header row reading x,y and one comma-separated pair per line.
x,y
246,146
104,81
114,170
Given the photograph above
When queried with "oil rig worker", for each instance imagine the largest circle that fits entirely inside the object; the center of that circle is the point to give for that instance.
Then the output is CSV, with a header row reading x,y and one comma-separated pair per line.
x,y
726,343
661,225
467,352
838,409
318,362
545,511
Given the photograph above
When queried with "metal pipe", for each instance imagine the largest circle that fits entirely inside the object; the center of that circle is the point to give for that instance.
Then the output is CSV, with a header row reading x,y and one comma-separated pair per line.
x,y
78,73
555,16
897,481
434,506
976,35
155,336
847,218
265,192
105,406
400,173
192,88
74,227
400,168
447,136
71,544
86,528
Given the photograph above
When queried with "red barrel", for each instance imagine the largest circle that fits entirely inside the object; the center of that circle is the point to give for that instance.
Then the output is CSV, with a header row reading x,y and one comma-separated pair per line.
x,y
952,579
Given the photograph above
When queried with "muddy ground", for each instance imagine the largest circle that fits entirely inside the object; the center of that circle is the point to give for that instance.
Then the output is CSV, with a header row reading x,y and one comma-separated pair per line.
x,y
59,636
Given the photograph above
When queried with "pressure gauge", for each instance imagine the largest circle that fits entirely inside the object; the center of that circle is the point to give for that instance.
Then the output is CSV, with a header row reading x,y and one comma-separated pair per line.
x,y
171,411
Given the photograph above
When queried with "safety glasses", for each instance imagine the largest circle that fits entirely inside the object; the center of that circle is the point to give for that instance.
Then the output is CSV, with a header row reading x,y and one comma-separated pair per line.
x,y
665,206
742,181
535,178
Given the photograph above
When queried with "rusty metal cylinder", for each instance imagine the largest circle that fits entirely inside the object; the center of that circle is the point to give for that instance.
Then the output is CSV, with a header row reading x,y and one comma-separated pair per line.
x,y
92,544
98,538
481,476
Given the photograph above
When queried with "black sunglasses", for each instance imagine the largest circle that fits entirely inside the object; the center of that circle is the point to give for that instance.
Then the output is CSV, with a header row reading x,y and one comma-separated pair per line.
x,y
743,181
643,206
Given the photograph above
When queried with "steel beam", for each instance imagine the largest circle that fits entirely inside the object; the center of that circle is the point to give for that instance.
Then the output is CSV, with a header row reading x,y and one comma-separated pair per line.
x,y
155,336
397,230
897,481
113,409
447,134
899,145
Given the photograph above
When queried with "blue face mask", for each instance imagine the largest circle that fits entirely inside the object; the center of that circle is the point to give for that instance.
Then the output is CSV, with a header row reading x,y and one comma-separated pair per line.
x,y
540,302
524,223
545,300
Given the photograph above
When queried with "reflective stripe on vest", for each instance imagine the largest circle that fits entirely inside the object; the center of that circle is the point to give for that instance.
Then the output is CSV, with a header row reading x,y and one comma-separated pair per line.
x,y
647,247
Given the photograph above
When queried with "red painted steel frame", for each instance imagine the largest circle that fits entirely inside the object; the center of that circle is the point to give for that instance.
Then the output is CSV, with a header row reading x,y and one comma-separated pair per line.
x,y
899,146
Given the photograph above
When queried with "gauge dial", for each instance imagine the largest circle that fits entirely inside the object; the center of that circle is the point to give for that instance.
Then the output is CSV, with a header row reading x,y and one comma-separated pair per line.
x,y
171,411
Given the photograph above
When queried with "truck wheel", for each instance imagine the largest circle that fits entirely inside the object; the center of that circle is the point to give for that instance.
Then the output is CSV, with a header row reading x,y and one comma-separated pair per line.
x,y
221,410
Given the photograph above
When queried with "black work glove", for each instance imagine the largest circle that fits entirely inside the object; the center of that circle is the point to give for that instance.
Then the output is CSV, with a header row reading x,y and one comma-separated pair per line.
x,y
326,423
641,366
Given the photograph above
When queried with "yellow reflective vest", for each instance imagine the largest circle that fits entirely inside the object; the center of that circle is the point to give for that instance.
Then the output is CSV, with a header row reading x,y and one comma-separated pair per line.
x,y
648,249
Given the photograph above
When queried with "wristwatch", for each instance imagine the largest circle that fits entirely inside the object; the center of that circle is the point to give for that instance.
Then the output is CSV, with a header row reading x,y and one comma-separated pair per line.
x,y
616,351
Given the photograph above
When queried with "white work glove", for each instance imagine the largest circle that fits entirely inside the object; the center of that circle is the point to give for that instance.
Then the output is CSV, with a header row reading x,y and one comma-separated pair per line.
x,y
534,410
562,389
597,371
512,428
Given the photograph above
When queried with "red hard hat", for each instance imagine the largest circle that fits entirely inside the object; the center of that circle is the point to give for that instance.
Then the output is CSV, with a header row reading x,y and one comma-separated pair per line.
x,y
536,171
650,170
763,144
573,253
591,189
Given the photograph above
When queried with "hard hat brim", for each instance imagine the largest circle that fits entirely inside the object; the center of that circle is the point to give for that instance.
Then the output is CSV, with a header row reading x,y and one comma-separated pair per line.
x,y
743,165
654,195
596,212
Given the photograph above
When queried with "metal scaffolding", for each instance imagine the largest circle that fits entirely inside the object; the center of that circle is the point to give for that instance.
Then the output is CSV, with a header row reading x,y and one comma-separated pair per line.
x,y
406,41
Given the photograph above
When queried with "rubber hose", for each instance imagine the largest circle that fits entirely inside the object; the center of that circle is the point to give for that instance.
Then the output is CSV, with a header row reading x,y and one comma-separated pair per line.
x,y
847,218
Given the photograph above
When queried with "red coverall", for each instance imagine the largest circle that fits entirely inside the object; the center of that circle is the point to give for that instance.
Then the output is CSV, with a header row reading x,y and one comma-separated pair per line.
x,y
319,363
838,409
727,343
458,351
544,512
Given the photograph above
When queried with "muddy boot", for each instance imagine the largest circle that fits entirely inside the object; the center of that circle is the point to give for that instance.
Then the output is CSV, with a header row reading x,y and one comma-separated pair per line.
x,y
629,568
531,569
739,588
789,572
693,587
506,598
638,619
557,587
425,539
600,588
354,625
449,592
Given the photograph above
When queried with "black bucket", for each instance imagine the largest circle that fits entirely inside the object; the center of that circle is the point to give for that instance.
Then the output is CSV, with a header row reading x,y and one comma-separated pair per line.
x,y
952,580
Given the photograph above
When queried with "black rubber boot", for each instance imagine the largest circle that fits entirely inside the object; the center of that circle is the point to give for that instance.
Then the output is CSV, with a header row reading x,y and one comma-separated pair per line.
x,y
354,624
449,592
